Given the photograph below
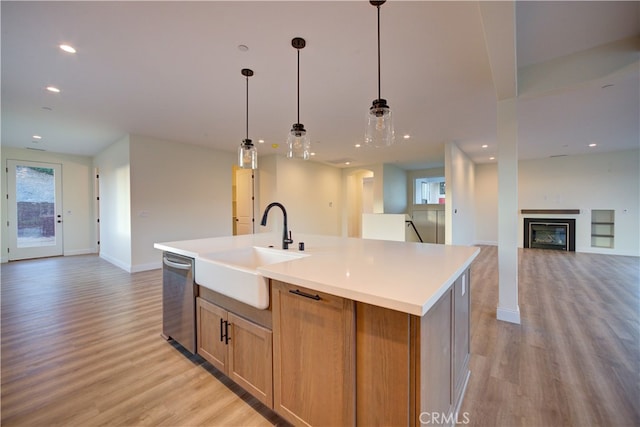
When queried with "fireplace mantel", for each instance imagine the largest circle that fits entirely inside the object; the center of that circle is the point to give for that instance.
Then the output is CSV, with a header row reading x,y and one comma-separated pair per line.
x,y
551,211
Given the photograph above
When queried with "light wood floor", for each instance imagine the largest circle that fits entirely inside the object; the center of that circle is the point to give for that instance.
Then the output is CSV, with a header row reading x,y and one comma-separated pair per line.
x,y
574,360
81,347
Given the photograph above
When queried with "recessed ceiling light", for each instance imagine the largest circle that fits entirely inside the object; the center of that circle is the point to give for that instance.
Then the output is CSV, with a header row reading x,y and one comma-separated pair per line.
x,y
484,145
53,89
347,163
67,48
313,154
261,141
36,137
243,47
407,136
492,158
357,145
593,144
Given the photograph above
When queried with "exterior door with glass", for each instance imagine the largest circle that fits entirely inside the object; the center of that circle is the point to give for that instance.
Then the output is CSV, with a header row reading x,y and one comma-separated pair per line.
x,y
34,192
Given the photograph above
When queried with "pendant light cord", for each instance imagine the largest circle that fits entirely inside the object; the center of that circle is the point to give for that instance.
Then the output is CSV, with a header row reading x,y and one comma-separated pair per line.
x,y
298,85
378,7
247,77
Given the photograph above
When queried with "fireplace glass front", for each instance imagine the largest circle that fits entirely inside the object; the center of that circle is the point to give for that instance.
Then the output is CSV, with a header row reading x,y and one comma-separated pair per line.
x,y
548,236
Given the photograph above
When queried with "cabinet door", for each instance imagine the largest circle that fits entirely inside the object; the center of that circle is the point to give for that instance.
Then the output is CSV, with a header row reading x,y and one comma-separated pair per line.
x,y
460,334
435,357
313,355
384,388
211,327
250,358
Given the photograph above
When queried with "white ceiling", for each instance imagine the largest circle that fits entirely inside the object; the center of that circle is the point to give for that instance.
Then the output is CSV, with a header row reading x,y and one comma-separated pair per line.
x,y
171,70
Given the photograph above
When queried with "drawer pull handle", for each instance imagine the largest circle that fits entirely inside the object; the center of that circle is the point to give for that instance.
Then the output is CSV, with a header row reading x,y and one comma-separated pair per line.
x,y
306,295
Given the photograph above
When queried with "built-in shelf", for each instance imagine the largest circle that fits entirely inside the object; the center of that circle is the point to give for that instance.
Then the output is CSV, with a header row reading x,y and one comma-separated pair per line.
x,y
602,228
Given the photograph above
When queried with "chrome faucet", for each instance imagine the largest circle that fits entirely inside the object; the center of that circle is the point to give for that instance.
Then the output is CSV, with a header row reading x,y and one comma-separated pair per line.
x,y
286,234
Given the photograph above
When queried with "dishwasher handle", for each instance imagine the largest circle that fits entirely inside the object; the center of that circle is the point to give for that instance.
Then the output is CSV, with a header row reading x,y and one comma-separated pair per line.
x,y
178,265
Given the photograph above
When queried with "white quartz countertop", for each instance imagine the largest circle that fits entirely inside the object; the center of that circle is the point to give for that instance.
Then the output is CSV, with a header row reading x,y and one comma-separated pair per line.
x,y
403,276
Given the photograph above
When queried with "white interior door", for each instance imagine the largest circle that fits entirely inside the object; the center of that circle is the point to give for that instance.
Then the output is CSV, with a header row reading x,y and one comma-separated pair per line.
x,y
244,201
34,191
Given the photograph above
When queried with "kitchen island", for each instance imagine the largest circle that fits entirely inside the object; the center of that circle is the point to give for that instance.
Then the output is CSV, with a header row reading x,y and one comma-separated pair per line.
x,y
356,331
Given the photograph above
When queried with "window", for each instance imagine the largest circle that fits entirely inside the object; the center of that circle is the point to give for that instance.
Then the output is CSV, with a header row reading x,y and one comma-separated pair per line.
x,y
430,190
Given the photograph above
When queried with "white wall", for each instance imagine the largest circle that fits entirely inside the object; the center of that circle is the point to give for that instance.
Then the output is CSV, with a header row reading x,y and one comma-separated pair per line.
x,y
394,189
358,197
77,199
310,191
156,191
460,197
486,204
178,192
115,203
585,182
267,192
384,227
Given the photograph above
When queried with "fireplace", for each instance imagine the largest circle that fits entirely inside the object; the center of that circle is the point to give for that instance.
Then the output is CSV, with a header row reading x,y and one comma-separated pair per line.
x,y
550,233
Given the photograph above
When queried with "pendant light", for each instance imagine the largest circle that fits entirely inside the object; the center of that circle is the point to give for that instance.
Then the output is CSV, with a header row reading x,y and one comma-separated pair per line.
x,y
247,153
379,132
298,142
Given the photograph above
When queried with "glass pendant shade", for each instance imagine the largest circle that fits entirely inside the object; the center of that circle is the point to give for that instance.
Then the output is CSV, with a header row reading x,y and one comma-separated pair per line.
x,y
379,132
247,155
298,143
247,152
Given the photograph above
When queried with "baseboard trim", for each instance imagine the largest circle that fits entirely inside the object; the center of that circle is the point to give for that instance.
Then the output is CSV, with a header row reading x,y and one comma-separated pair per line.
x,y
80,252
116,262
486,243
145,267
508,315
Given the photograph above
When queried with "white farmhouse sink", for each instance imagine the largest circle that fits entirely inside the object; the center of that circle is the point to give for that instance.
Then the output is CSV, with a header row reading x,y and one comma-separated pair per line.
x,y
234,273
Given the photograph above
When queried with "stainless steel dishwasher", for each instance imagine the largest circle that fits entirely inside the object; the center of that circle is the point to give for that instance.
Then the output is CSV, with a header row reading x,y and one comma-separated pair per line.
x,y
178,300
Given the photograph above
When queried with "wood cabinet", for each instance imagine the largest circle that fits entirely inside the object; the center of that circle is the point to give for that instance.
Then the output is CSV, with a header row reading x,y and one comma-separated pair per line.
x,y
413,369
210,333
313,356
239,348
461,337
385,363
434,354
340,362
